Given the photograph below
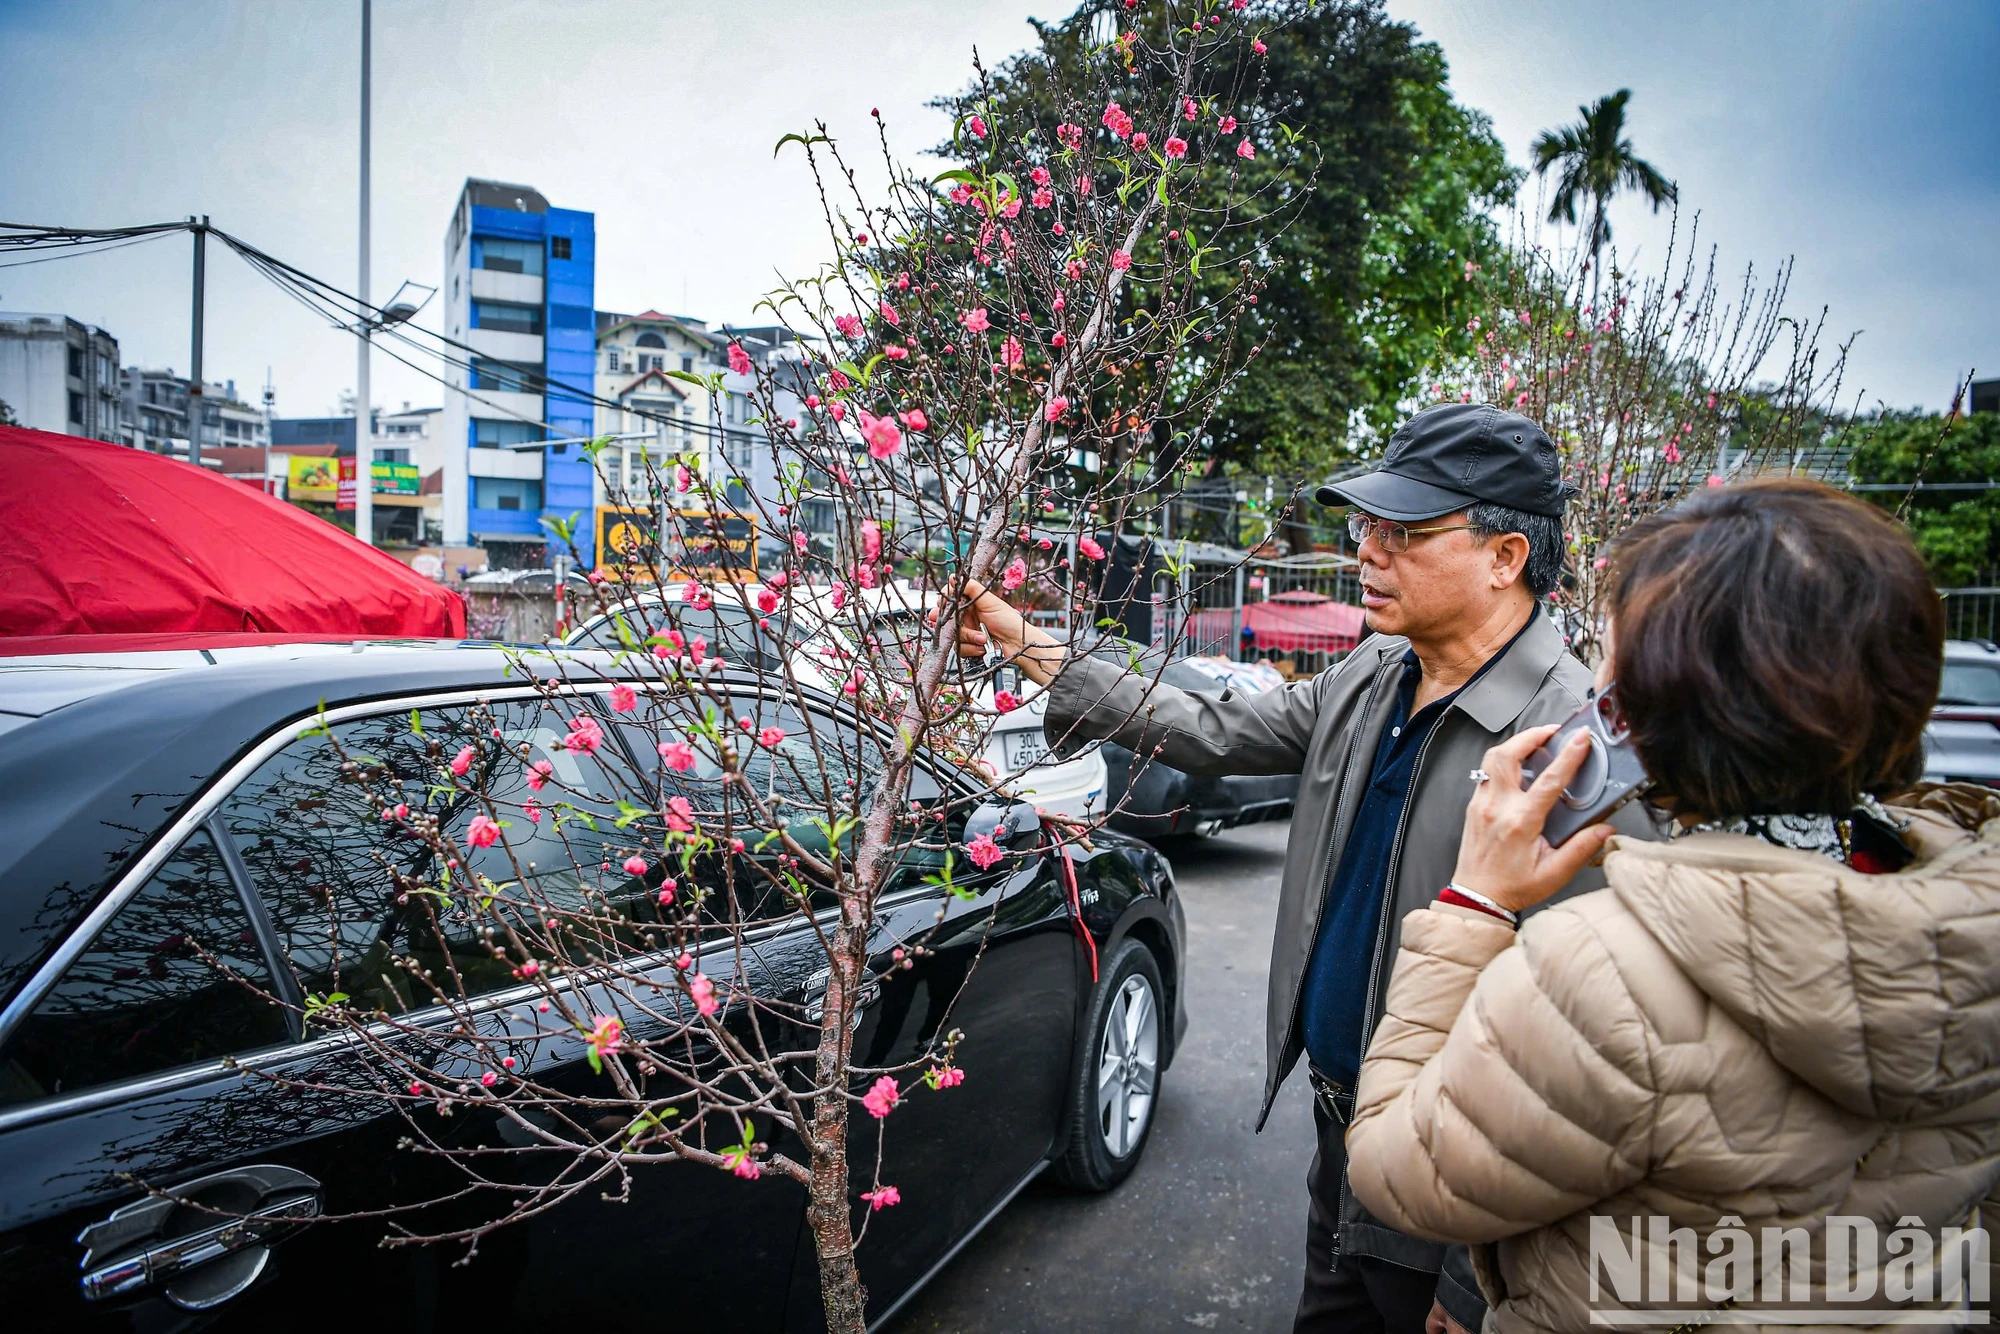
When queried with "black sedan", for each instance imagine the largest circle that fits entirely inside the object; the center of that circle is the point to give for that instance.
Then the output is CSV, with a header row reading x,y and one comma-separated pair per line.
x,y
150,1181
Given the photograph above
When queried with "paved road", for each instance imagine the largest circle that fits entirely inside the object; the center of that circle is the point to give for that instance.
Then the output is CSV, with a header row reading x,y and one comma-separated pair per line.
x,y
1208,1232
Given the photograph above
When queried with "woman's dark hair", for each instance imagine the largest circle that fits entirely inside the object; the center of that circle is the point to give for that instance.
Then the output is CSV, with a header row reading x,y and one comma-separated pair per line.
x,y
1778,647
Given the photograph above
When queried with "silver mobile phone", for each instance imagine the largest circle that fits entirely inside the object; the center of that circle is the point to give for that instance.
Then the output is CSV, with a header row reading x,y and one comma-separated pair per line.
x,y
1610,776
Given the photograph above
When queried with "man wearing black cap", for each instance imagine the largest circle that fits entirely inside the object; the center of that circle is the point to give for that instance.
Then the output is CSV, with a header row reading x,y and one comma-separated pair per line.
x,y
1459,536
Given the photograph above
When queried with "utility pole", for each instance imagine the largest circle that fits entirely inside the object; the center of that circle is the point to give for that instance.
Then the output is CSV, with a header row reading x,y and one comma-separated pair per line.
x,y
200,230
270,400
364,419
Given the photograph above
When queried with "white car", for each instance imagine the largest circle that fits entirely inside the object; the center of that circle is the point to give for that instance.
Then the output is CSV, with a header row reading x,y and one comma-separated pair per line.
x,y
818,651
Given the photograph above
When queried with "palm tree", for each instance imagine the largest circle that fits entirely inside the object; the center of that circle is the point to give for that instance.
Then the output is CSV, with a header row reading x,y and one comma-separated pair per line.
x,y
1597,162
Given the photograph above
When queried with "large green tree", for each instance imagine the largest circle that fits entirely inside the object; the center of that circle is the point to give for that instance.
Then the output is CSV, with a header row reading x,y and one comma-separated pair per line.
x,y
1957,531
1372,220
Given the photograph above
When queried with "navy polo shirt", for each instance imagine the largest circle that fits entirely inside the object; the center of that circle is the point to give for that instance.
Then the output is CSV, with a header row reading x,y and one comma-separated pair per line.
x,y
1334,1004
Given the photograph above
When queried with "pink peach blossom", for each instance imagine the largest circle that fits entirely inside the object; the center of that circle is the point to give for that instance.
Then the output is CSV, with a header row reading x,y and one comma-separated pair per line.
x,y
984,851
1005,701
975,320
1176,147
462,761
1069,136
1188,109
977,126
1010,352
701,991
1227,125
538,774
916,420
1116,121
882,1198
584,735
1257,45
635,865
624,699
482,832
678,755
1057,407
739,360
895,352
849,327
884,437
1245,149
889,313
1014,575
881,1098
1088,546
771,737
1121,260
608,1036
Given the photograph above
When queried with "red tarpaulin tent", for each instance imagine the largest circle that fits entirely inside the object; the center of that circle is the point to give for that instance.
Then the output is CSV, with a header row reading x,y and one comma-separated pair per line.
x,y
96,538
1295,622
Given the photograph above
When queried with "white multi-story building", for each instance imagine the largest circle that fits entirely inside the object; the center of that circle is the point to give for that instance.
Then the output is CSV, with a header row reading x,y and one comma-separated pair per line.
x,y
155,414
636,358
59,374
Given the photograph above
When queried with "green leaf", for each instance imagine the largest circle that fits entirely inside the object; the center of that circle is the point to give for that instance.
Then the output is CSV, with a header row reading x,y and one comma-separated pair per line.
x,y
416,722
803,140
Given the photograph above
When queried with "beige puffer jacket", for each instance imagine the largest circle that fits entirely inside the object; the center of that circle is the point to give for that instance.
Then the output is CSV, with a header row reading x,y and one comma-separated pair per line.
x,y
1731,1033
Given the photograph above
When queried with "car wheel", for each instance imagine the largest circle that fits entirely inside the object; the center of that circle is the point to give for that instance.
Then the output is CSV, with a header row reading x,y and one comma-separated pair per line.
x,y
1115,1082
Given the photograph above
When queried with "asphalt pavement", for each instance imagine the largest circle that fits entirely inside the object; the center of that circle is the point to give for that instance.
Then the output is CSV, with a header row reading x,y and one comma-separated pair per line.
x,y
1209,1230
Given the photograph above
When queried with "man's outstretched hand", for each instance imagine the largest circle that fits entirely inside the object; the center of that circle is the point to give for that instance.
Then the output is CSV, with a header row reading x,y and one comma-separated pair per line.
x,y
987,620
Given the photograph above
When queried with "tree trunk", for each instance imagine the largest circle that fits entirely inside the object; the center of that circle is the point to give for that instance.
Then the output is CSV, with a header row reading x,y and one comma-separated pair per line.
x,y
827,1210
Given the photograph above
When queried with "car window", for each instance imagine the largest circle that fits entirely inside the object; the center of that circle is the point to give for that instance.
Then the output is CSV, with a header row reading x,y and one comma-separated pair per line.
x,y
175,978
726,629
1972,683
820,759
327,864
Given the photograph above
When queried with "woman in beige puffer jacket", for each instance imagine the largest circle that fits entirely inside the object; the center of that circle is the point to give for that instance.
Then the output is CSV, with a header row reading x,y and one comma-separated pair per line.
x,y
1734,1035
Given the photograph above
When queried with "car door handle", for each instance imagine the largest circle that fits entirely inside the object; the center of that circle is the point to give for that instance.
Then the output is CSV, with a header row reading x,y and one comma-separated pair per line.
x,y
126,1254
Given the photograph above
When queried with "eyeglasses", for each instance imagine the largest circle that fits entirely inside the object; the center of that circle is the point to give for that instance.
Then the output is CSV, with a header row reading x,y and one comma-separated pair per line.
x,y
1391,536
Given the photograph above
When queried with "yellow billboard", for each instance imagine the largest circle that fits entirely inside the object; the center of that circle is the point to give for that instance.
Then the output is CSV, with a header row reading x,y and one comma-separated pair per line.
x,y
313,479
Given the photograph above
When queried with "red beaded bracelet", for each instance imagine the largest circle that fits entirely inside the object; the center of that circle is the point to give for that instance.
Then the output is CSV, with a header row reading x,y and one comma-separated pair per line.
x,y
1460,898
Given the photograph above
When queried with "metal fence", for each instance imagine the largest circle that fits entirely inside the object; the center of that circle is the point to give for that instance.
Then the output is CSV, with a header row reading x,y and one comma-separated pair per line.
x,y
1971,613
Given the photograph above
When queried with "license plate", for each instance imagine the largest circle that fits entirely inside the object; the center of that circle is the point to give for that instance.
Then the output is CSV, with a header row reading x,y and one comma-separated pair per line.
x,y
1024,748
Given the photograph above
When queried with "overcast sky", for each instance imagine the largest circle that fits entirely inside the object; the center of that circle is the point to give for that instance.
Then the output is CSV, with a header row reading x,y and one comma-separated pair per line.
x,y
1864,139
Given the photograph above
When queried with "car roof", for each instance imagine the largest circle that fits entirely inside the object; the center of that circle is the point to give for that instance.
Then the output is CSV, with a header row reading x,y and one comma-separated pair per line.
x,y
1971,650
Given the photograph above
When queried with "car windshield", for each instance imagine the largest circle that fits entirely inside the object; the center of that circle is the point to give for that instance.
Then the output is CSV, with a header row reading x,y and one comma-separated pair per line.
x,y
1973,683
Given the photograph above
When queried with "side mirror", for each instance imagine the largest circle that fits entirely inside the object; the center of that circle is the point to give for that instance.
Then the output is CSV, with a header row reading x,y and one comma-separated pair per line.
x,y
1013,825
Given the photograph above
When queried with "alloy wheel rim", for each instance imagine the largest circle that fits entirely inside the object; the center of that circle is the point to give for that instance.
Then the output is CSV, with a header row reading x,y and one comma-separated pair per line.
x,y
1128,1062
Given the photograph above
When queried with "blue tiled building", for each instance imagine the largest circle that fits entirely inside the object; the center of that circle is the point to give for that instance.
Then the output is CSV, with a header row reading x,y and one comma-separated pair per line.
x,y
520,290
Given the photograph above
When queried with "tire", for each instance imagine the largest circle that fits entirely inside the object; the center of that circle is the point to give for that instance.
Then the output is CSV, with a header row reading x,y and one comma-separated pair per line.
x,y
1115,1080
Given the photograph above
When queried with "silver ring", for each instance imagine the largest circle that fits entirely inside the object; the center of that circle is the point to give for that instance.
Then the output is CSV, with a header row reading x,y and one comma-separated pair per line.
x,y
1481,776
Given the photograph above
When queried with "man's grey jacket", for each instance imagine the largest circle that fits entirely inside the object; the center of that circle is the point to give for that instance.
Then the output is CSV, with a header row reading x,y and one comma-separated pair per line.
x,y
1325,730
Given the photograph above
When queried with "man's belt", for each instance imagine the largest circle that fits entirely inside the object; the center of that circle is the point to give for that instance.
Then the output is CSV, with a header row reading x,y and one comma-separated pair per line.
x,y
1336,1100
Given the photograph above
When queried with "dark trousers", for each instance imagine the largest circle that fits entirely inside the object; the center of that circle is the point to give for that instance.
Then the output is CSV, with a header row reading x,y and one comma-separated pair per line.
x,y
1357,1294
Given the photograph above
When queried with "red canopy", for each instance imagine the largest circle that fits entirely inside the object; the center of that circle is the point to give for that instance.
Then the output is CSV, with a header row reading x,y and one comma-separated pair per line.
x,y
1295,622
96,538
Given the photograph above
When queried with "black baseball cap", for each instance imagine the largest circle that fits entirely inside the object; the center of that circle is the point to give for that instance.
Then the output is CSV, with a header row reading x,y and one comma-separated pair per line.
x,y
1454,455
